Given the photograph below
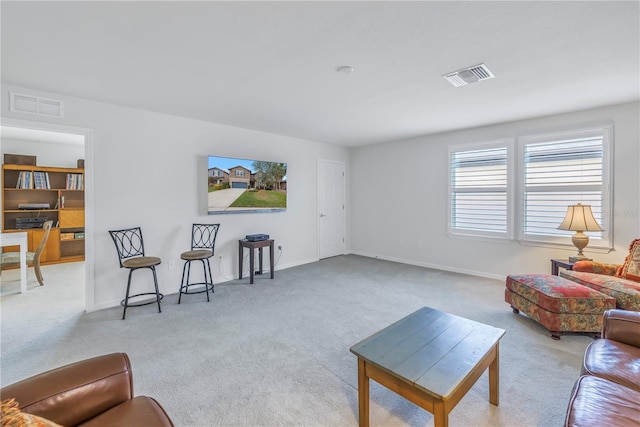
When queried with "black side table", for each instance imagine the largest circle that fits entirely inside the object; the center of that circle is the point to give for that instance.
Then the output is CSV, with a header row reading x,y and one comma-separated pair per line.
x,y
564,263
252,246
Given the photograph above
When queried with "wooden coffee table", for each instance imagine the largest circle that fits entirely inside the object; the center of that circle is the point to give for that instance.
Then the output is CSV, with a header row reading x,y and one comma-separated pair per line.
x,y
431,358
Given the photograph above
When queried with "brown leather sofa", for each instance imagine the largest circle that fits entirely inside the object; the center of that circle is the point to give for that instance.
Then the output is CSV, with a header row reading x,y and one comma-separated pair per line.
x,y
91,392
608,390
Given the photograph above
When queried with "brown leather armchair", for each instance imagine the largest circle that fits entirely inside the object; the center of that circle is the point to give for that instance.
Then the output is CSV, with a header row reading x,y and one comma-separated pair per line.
x,y
91,392
608,391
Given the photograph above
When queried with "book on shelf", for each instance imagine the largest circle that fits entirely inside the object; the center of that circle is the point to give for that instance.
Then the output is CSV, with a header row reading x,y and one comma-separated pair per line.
x,y
38,180
41,180
74,181
33,180
25,180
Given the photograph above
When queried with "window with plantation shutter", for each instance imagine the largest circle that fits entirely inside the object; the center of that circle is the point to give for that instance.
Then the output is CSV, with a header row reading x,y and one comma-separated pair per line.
x,y
479,190
561,170
551,171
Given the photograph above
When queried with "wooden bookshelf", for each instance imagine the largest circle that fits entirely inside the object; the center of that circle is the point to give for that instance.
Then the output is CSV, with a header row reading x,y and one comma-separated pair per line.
x,y
62,190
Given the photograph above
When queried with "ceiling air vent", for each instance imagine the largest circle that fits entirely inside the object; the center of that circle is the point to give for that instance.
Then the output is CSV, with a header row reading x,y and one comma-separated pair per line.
x,y
469,75
36,105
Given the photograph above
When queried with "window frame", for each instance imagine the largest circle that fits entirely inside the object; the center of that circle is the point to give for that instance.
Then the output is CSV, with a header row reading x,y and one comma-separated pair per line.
x,y
516,169
508,235
604,130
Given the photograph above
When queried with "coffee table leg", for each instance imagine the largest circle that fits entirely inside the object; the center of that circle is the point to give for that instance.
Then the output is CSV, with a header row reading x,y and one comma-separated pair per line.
x,y
494,378
440,416
363,394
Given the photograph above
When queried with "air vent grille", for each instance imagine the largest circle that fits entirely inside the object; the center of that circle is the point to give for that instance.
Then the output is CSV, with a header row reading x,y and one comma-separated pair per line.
x,y
469,75
36,105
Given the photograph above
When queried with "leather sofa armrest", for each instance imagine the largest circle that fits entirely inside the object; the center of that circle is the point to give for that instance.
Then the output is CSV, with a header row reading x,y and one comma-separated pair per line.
x,y
596,267
74,393
622,326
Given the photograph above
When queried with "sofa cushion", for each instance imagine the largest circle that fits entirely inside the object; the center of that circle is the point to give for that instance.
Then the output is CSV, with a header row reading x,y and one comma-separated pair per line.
x,y
631,267
139,411
598,402
614,361
626,292
596,267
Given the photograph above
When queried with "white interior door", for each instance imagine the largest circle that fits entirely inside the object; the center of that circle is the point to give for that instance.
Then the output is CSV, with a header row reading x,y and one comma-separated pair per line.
x,y
331,213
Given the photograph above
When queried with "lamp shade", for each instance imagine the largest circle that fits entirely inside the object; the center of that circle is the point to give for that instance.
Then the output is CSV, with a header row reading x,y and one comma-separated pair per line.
x,y
579,218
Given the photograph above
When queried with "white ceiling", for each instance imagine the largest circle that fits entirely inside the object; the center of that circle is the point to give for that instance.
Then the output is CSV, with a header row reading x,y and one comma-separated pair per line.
x,y
271,66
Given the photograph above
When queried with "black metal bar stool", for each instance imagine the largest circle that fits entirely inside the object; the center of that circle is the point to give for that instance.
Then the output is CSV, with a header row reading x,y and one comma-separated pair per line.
x,y
130,247
203,242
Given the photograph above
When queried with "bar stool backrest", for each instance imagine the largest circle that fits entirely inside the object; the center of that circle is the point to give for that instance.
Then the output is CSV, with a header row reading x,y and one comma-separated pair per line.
x,y
203,236
129,243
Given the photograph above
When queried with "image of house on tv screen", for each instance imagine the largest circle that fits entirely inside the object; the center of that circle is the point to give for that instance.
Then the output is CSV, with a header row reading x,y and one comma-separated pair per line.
x,y
245,186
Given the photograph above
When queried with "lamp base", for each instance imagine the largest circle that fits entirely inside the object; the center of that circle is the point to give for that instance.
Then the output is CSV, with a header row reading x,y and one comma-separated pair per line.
x,y
580,241
579,258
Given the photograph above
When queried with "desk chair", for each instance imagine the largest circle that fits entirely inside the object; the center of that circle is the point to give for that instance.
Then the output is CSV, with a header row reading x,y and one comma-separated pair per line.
x,y
130,247
11,258
203,242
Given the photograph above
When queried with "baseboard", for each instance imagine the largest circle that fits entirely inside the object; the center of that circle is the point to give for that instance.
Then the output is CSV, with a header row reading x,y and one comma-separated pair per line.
x,y
295,264
434,266
228,278
103,306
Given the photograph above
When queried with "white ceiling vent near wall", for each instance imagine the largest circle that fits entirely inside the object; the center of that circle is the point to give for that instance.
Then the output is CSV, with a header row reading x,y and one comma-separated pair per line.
x,y
47,107
469,75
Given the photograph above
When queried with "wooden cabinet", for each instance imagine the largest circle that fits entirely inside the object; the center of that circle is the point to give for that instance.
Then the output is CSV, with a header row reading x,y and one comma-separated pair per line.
x,y
57,194
71,218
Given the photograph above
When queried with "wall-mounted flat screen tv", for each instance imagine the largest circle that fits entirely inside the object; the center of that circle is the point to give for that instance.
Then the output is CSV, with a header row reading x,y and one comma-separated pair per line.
x,y
245,186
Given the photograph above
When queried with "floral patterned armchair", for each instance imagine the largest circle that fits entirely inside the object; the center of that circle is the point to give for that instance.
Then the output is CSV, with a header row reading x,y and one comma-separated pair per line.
x,y
630,269
621,282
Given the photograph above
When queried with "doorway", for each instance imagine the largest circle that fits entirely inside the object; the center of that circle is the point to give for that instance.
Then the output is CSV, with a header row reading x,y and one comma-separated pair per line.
x,y
63,146
331,208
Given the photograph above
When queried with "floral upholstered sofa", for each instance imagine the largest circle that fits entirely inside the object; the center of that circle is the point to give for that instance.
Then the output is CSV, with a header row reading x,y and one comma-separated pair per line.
x,y
621,282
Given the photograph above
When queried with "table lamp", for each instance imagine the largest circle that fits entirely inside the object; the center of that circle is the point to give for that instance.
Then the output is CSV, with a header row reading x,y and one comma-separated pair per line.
x,y
579,218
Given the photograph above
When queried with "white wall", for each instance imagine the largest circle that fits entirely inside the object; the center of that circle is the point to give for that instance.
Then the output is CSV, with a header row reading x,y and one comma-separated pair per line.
x,y
149,169
53,154
399,199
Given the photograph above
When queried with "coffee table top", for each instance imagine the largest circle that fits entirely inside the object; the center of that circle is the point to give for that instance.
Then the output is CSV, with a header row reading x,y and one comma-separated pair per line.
x,y
431,350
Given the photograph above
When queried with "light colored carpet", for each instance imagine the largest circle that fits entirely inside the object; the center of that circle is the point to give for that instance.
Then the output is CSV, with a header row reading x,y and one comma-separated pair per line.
x,y
276,353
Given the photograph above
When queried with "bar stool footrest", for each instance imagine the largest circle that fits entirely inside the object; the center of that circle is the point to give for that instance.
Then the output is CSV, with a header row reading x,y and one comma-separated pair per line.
x,y
158,297
208,287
